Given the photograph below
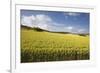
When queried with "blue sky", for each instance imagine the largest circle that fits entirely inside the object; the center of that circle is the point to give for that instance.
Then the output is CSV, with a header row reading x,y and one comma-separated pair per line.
x,y
75,22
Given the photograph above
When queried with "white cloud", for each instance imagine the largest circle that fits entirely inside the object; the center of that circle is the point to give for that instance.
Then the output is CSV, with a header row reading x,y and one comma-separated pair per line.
x,y
69,29
43,21
41,17
39,20
28,20
74,29
71,14
81,31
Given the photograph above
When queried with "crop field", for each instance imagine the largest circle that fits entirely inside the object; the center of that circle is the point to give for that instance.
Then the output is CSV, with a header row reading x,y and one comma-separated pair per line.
x,y
43,46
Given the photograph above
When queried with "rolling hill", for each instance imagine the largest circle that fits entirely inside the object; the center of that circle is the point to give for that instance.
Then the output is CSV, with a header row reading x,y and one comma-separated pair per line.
x,y
41,30
38,45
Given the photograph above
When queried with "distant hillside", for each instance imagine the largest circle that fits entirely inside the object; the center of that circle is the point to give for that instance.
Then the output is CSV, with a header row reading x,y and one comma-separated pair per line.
x,y
41,30
26,27
83,34
32,28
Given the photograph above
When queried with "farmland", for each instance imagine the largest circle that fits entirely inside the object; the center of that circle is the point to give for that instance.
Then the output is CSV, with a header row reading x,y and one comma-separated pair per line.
x,y
41,46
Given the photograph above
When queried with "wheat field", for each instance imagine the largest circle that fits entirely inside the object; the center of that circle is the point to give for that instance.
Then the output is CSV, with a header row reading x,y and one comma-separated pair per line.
x,y
45,46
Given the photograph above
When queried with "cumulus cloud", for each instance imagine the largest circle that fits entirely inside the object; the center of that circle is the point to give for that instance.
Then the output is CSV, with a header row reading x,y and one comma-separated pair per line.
x,y
42,17
69,28
43,21
81,31
39,20
28,20
72,14
75,30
